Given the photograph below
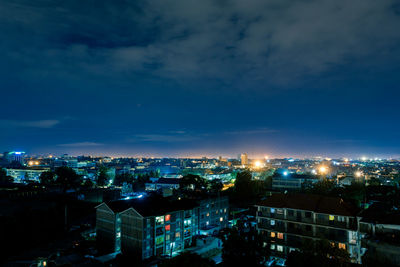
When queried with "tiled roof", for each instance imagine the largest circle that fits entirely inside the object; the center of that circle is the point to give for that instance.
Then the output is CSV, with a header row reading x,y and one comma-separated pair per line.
x,y
316,203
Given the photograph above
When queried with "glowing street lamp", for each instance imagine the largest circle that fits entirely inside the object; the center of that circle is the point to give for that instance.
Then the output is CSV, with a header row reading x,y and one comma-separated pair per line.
x,y
257,164
323,170
358,174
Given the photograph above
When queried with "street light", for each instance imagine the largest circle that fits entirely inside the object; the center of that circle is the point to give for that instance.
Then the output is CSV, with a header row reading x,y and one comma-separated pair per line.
x,y
323,169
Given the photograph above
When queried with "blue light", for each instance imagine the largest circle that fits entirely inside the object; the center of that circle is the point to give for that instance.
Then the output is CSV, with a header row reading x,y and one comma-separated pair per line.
x,y
285,173
140,196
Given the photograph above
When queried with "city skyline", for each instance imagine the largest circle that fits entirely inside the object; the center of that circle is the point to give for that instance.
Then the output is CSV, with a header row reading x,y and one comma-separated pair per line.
x,y
176,78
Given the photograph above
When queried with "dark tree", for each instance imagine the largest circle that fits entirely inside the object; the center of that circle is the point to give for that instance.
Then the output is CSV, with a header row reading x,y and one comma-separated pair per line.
x,y
244,249
187,259
67,178
120,179
192,181
215,185
244,185
4,178
47,178
102,176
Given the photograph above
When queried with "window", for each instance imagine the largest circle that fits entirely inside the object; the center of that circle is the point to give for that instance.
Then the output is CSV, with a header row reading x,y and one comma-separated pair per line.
x,y
159,220
272,234
272,246
221,219
272,222
159,240
177,235
208,214
167,217
342,246
167,237
272,210
291,212
167,227
331,217
280,235
308,214
225,210
308,228
279,211
279,248
341,219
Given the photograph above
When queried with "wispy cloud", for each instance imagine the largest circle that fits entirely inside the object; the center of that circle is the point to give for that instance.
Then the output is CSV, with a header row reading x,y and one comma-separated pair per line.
x,y
253,131
169,137
28,124
81,144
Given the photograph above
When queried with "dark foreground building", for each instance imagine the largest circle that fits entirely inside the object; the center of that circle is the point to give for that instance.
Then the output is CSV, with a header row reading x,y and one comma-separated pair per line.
x,y
289,220
156,226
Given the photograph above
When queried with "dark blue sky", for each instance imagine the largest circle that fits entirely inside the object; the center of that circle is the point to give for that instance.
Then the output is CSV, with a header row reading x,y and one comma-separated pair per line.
x,y
189,77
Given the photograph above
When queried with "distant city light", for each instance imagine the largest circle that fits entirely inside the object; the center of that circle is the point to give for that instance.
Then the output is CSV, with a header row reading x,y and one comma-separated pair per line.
x,y
285,173
257,164
358,174
364,158
323,169
314,172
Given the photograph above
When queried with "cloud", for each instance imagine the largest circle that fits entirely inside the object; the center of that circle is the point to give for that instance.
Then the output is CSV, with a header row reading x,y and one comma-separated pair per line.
x,y
251,132
163,138
275,41
81,144
28,124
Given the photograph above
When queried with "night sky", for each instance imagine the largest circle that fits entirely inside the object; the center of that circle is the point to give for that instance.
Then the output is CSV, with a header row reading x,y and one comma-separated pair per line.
x,y
192,78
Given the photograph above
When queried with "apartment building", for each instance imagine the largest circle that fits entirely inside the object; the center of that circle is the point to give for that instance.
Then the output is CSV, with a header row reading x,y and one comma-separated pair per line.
x,y
213,214
290,220
154,226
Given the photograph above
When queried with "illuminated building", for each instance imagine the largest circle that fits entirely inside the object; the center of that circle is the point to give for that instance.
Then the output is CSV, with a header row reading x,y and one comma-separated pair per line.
x,y
288,220
244,160
155,226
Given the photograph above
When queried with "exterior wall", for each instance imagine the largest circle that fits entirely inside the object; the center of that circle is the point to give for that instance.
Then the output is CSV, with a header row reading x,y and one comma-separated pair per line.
x,y
105,228
213,213
131,231
287,229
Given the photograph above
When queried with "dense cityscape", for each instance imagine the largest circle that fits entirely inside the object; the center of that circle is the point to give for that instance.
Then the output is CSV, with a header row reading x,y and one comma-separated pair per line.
x,y
102,211
200,133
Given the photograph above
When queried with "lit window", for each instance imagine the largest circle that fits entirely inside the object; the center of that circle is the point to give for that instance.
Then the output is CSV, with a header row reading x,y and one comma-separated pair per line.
x,y
280,235
272,222
207,222
279,248
167,237
221,219
272,246
272,234
177,235
331,217
342,246
272,210
167,217
168,227
225,210
208,214
159,220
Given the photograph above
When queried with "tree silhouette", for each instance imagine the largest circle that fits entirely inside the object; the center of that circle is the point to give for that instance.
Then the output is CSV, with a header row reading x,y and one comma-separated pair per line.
x,y
4,178
67,178
47,178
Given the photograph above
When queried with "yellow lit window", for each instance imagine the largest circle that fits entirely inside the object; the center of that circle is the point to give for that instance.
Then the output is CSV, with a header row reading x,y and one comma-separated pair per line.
x,y
272,234
331,217
280,235
342,246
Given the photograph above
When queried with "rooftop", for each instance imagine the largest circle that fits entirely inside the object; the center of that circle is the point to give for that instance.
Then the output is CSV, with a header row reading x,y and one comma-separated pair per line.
x,y
316,203
152,206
